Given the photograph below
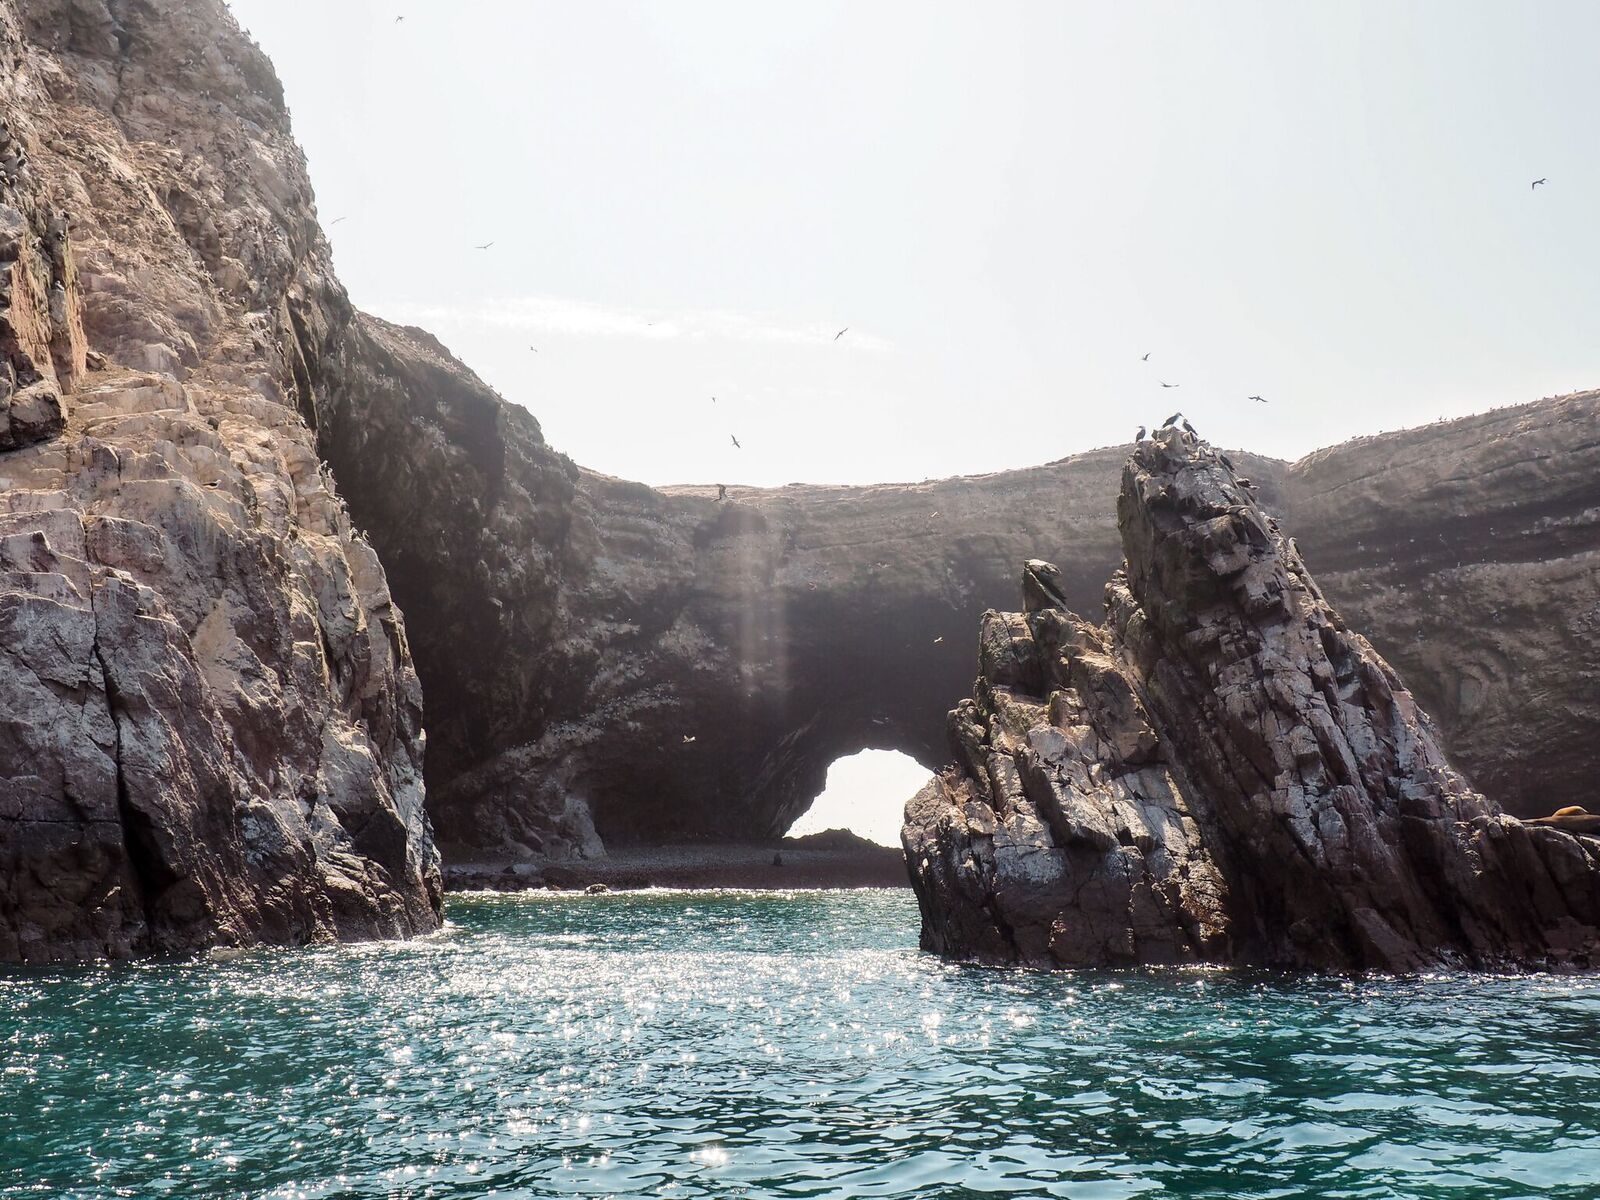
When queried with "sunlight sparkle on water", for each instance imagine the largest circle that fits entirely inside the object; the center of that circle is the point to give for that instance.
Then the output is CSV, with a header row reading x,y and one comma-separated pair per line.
x,y
766,1044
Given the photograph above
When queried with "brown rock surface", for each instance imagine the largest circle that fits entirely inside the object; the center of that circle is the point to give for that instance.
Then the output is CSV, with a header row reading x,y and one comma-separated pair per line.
x,y
210,728
1223,772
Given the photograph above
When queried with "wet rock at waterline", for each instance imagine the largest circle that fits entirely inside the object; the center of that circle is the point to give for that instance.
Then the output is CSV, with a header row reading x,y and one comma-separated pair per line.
x,y
1222,772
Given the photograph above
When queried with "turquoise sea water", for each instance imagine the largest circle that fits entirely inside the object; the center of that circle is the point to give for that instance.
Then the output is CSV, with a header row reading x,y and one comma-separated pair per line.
x,y
778,1044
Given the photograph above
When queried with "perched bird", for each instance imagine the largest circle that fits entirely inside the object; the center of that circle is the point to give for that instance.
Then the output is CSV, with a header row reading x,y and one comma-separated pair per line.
x,y
735,441
1139,437
1146,357
1172,420
1257,399
1535,184
722,491
841,333
1246,484
485,246
1189,429
1165,384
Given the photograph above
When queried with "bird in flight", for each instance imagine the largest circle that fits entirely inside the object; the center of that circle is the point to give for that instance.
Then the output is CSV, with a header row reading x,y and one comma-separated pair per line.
x,y
400,18
735,441
688,739
1258,399
535,349
841,333
1535,184
336,220
485,246
1163,384
1146,357
938,639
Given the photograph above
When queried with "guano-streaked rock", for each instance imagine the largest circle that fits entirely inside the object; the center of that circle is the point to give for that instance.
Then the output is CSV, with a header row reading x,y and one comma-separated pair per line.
x,y
1222,772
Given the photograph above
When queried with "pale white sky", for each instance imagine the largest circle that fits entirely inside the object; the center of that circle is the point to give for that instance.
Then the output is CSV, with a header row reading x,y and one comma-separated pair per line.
x,y
1007,203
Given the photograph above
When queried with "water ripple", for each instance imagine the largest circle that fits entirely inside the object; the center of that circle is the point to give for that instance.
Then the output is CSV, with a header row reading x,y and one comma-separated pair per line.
x,y
784,1045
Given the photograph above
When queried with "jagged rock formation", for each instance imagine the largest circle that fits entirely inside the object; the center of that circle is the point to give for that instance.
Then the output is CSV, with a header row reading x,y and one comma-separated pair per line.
x,y
1223,772
210,728
1469,552
784,628
647,663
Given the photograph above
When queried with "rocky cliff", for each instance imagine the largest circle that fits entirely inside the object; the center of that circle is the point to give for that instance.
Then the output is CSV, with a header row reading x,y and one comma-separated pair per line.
x,y
658,665
210,726
601,659
1222,772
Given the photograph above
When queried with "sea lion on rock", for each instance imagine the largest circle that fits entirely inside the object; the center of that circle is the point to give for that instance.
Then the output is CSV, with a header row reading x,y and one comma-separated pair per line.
x,y
1571,819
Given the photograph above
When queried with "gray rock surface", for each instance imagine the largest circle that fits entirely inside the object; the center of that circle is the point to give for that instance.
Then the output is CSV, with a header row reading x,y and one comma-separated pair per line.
x,y
210,727
655,665
1222,772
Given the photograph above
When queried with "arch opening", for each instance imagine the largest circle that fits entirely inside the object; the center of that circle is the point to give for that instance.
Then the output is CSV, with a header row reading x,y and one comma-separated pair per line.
x,y
865,794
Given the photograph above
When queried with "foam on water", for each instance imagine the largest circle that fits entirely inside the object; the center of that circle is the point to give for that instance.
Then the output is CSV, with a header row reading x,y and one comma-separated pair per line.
x,y
777,1044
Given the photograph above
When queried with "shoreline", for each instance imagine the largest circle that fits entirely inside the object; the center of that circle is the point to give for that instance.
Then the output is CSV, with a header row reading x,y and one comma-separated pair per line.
x,y
825,860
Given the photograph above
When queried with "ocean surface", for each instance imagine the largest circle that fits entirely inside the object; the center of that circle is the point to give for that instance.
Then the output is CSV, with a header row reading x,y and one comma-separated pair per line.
x,y
778,1044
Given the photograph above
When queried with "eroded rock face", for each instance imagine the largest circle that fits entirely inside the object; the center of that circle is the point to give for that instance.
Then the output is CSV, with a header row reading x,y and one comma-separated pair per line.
x,y
655,665
210,727
1222,772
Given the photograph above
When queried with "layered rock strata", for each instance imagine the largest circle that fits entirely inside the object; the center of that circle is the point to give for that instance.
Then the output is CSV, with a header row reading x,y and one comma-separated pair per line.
x,y
1223,771
210,726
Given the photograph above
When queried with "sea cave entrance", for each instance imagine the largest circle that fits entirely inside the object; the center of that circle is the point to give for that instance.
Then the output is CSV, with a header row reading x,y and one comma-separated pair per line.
x,y
866,794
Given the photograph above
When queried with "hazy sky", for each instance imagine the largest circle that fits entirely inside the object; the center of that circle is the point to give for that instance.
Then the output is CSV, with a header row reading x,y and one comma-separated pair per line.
x,y
1008,204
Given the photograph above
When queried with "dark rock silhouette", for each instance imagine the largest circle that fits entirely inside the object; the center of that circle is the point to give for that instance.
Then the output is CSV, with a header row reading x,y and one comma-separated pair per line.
x,y
1222,772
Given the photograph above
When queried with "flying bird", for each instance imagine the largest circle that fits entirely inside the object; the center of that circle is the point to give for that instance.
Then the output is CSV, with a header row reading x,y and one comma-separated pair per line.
x,y
688,739
841,333
1172,420
1146,357
1258,399
735,441
1535,184
1165,384
535,349
485,246
336,220
938,639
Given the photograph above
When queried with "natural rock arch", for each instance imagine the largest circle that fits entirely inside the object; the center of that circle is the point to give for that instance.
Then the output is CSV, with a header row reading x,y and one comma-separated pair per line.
x,y
656,664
